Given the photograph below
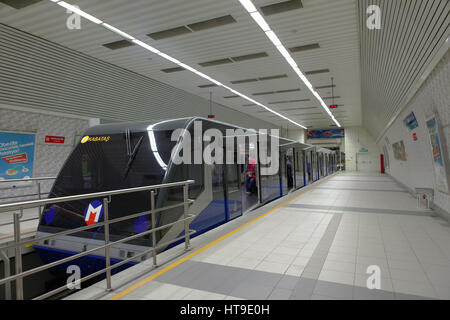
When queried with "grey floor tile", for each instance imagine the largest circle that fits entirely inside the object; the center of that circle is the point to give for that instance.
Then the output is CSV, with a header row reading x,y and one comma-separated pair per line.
x,y
335,290
263,278
251,291
280,294
360,293
287,282
304,289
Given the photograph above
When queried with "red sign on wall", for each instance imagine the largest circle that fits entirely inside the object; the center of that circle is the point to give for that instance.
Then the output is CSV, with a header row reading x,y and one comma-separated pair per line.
x,y
54,139
17,158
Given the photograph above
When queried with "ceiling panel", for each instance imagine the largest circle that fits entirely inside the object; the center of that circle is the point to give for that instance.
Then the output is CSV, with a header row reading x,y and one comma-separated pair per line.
x,y
338,39
396,56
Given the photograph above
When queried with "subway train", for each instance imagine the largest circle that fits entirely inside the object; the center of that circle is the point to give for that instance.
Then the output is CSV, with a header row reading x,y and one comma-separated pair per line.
x,y
127,155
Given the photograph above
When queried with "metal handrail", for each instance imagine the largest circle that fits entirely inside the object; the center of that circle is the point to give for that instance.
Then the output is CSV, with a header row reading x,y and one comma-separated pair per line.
x,y
39,193
18,243
29,179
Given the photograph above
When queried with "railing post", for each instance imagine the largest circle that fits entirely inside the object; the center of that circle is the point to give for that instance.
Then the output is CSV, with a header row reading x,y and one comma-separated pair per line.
x,y
18,257
39,197
152,212
107,251
186,209
7,268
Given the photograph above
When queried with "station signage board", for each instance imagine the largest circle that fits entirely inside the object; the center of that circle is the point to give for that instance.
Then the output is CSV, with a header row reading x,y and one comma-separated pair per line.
x,y
54,139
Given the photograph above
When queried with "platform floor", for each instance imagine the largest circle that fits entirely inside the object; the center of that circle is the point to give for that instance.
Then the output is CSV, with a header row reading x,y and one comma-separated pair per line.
x,y
317,246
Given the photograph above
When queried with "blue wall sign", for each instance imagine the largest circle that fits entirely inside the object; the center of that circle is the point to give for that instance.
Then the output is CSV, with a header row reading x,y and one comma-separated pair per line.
x,y
16,155
326,134
410,121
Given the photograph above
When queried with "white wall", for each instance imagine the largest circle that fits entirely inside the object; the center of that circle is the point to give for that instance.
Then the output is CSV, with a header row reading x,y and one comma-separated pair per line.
x,y
48,158
433,97
296,135
357,138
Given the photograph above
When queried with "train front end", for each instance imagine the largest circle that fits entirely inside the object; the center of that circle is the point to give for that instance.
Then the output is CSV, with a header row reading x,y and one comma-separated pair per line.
x,y
108,157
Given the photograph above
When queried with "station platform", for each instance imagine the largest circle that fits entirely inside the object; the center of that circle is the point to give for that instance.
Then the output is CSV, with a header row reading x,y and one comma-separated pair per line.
x,y
315,243
29,225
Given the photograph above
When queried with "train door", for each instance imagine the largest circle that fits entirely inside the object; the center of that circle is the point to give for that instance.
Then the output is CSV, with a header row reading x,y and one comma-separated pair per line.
x,y
314,170
299,169
233,189
287,171
249,175
309,167
283,174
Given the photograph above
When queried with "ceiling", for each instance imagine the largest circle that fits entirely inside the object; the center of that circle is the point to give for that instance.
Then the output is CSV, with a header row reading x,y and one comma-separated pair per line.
x,y
395,58
332,24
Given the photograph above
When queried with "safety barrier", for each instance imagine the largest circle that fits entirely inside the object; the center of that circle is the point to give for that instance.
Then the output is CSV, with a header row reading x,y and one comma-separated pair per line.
x,y
18,243
15,183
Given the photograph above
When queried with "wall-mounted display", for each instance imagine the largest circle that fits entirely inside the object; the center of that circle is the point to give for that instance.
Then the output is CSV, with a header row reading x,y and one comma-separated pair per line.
x,y
410,121
399,151
326,134
16,155
438,153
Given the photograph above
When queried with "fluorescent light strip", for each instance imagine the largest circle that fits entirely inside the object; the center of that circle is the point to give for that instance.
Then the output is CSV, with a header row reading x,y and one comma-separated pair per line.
x,y
115,30
251,9
79,12
142,44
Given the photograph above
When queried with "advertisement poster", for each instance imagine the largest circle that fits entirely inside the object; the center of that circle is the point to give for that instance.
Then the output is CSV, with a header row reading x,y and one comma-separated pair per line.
x,y
440,173
399,151
326,134
410,121
16,155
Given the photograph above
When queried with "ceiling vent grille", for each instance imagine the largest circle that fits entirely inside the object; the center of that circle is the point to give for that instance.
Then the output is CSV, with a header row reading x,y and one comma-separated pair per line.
x,y
326,87
19,4
212,23
305,47
275,92
281,7
281,76
193,27
169,33
118,44
286,91
171,70
212,85
244,81
317,71
328,98
290,101
250,56
215,62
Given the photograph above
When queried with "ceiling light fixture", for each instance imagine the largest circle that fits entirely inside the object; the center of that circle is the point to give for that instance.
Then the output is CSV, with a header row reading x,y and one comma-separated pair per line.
x,y
251,9
79,12
245,3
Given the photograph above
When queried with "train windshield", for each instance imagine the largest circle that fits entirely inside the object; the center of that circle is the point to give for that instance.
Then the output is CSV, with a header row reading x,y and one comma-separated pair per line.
x,y
109,162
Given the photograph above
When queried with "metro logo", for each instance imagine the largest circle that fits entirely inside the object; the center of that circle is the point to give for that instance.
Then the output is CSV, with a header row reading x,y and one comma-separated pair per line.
x,y
93,212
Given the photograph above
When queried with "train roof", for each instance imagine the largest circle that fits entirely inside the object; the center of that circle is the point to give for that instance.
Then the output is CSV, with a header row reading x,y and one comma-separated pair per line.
x,y
139,126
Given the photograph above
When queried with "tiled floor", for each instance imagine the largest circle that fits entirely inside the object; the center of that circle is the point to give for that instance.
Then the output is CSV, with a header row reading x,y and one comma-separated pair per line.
x,y
319,246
